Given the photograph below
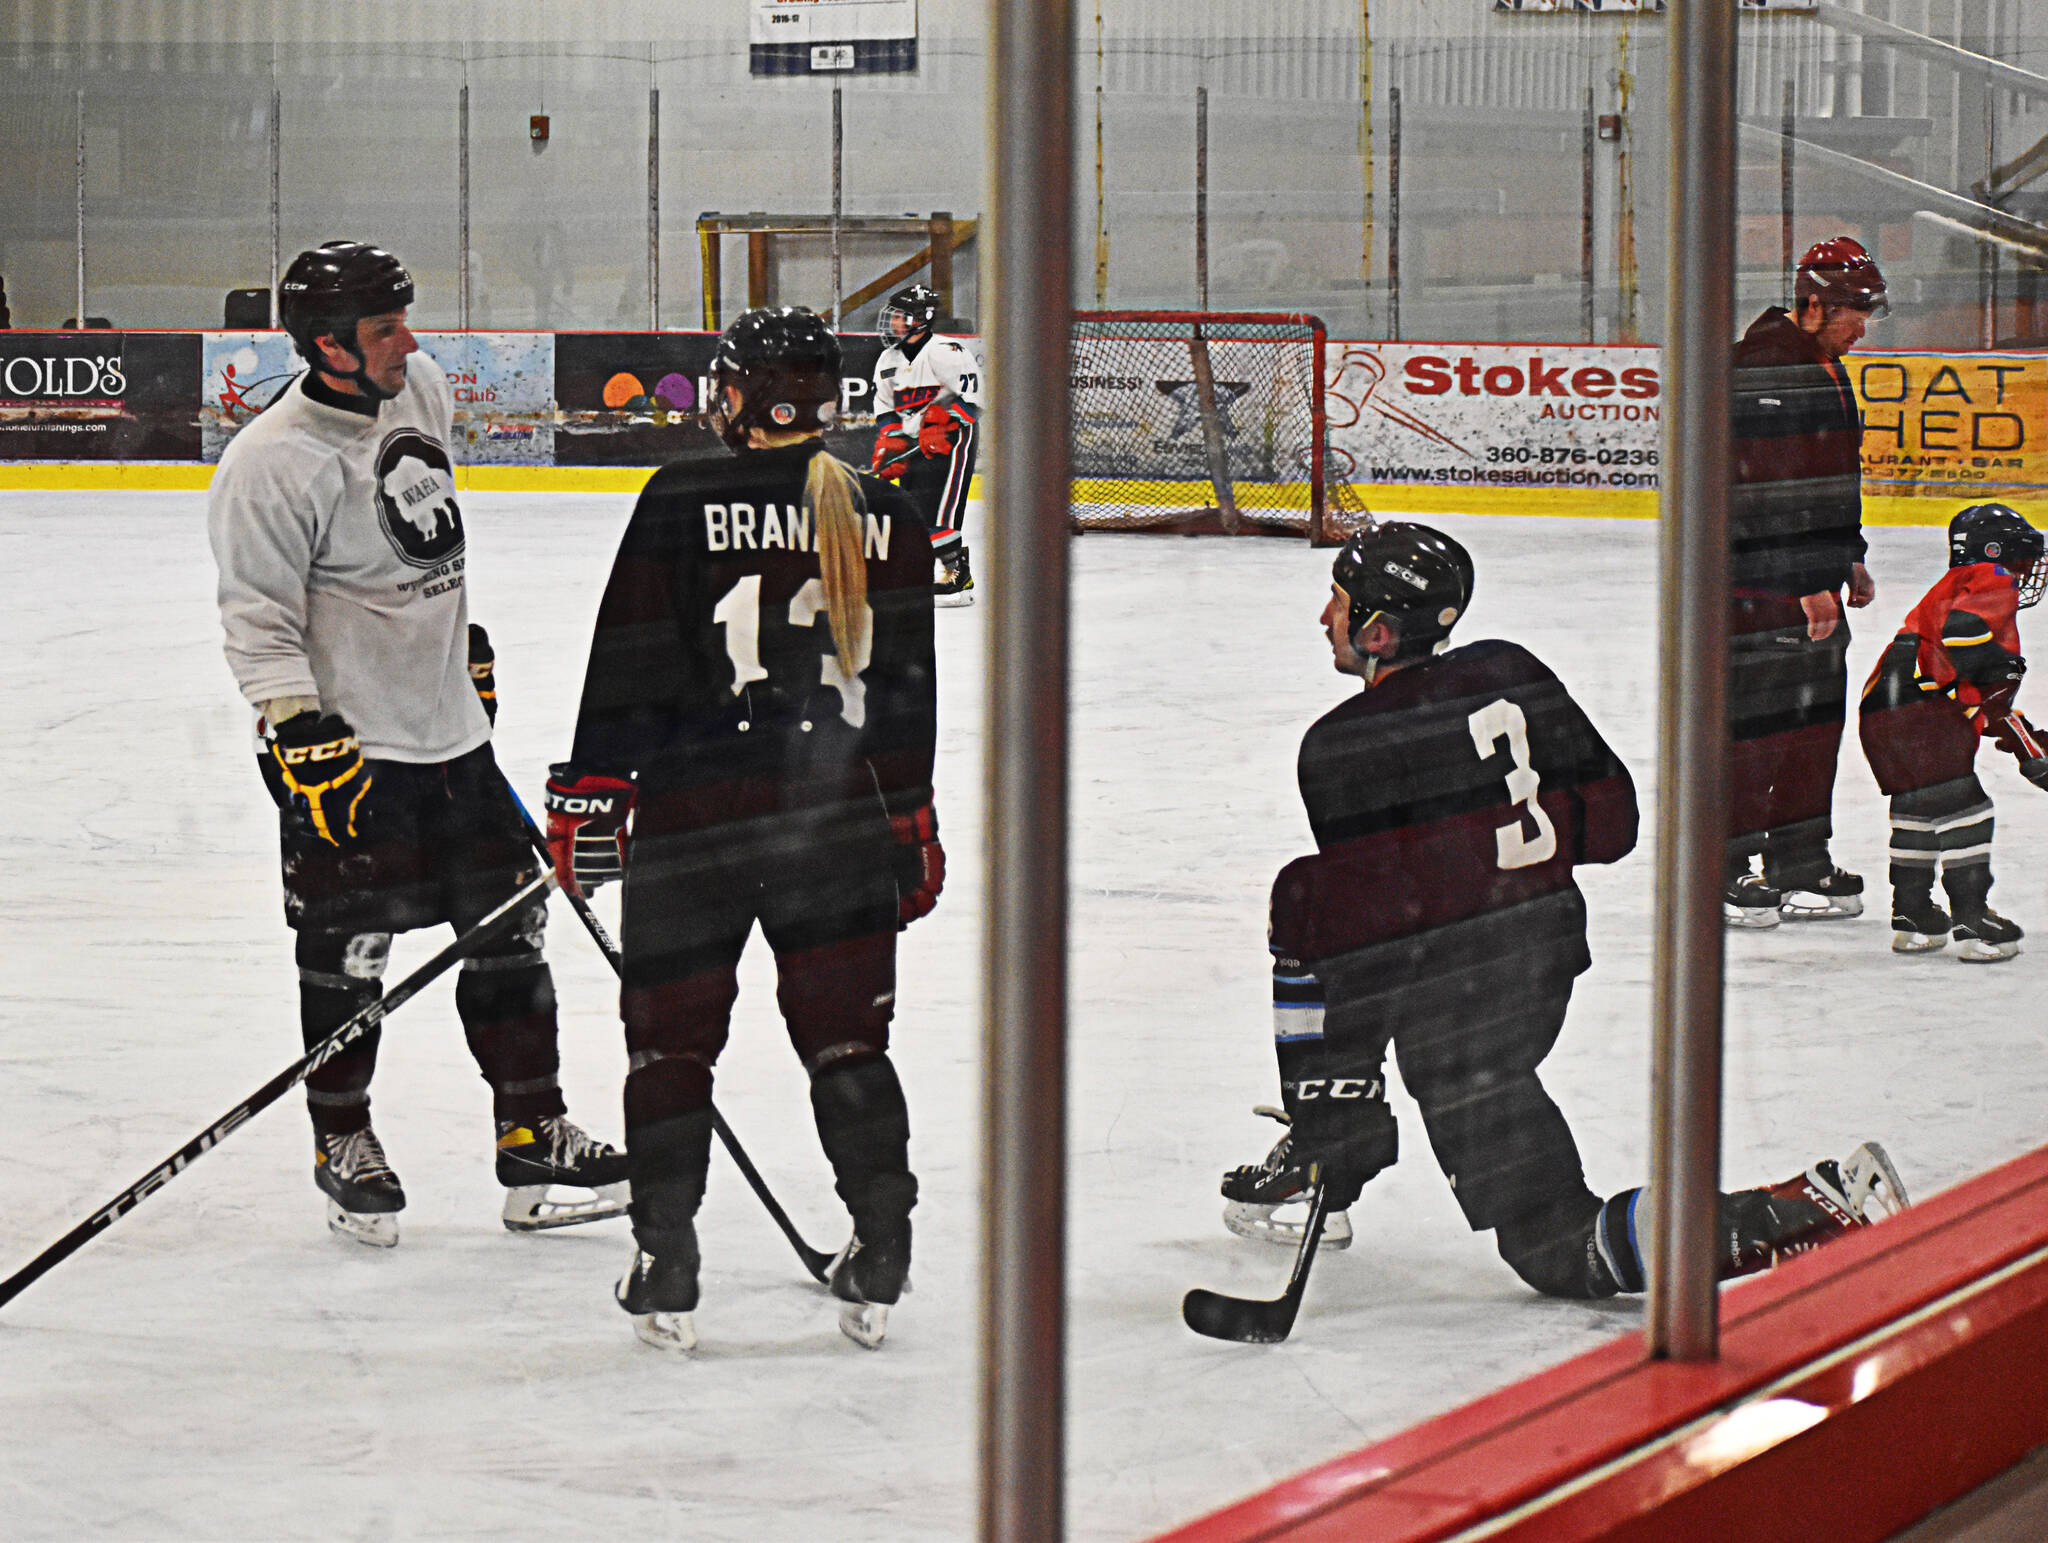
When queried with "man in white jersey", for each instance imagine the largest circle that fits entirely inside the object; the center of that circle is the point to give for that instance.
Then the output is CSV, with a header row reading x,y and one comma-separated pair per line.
x,y
334,522
927,424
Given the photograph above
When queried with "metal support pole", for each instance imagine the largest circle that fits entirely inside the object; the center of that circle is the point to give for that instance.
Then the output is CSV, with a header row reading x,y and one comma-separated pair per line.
x,y
78,318
1786,254
654,209
1394,213
1101,213
1202,196
462,209
838,191
1588,143
1030,157
1692,713
276,198
1987,253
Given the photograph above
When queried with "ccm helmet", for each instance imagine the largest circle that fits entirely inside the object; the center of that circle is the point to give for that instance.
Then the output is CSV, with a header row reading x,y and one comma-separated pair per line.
x,y
1995,533
324,293
1839,271
916,307
1416,578
784,363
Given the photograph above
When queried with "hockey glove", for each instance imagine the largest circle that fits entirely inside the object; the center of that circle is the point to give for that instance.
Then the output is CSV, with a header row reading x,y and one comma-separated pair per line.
x,y
313,763
937,430
483,666
892,450
587,827
920,863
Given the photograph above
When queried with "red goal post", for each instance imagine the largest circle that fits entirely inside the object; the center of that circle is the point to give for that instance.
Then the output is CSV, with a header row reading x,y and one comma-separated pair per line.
x,y
1205,422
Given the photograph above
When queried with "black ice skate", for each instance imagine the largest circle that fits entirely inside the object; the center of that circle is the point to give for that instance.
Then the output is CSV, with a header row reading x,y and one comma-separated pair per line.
x,y
1986,937
1919,926
1749,904
869,1279
1835,896
1774,1224
363,1194
661,1293
533,1154
1253,1193
952,580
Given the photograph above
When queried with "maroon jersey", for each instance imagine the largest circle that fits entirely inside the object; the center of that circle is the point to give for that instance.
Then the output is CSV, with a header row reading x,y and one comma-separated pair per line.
x,y
1451,802
713,674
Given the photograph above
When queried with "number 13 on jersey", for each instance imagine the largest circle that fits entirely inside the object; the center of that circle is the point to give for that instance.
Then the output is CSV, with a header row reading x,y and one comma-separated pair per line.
x,y
739,613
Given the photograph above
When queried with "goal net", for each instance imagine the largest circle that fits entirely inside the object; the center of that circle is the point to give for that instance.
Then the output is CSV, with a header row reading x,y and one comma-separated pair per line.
x,y
1198,422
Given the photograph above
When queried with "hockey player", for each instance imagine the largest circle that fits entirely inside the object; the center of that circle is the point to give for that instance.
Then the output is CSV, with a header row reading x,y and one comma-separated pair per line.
x,y
1948,677
1450,801
927,418
1796,540
760,698
340,544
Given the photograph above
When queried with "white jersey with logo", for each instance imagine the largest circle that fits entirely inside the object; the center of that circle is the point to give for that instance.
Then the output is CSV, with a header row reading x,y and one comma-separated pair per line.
x,y
340,546
943,371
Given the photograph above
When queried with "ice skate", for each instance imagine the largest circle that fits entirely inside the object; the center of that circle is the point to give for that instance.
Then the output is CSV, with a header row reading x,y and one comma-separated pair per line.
x,y
952,579
534,1154
1776,1223
1919,926
1749,904
1254,1193
363,1194
1835,896
1986,937
661,1293
868,1280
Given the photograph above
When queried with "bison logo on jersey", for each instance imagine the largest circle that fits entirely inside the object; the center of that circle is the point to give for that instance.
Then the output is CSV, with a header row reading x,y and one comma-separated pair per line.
x,y
416,499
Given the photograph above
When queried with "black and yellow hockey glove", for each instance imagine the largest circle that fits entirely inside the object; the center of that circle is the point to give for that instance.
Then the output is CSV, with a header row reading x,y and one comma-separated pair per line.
x,y
483,667
313,763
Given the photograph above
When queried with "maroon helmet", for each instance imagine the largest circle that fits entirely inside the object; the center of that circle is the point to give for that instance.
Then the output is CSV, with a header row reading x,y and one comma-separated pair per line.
x,y
1839,271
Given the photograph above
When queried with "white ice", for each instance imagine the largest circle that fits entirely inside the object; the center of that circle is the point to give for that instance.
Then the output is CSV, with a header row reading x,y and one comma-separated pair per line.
x,y
219,1366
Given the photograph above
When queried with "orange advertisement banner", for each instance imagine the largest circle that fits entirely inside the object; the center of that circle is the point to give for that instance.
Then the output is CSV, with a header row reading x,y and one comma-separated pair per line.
x,y
1953,425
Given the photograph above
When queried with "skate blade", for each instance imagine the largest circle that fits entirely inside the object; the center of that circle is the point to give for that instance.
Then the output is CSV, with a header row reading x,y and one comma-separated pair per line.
x,y
1805,906
864,1323
1867,1174
528,1208
672,1332
1977,951
1919,942
374,1229
954,600
1748,918
1248,1219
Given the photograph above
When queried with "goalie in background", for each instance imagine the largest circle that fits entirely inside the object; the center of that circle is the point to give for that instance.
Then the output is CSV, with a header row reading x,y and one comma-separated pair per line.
x,y
1451,800
927,425
1948,678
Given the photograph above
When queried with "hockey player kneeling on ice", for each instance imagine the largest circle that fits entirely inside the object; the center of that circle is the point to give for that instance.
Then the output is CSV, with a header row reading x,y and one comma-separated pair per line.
x,y
1948,677
760,702
1450,801
334,522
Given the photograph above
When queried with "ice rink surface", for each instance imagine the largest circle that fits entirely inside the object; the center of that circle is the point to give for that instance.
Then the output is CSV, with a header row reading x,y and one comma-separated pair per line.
x,y
219,1366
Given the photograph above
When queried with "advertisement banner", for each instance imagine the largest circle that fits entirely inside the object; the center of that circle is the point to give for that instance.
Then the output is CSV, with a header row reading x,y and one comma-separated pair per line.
x,y
502,383
634,398
99,396
859,37
1494,415
1953,426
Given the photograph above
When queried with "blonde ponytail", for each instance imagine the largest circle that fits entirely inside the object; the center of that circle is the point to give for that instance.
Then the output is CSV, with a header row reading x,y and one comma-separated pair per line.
x,y
834,498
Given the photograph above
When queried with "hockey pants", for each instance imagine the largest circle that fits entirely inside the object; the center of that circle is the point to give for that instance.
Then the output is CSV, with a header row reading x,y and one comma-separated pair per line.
x,y
1787,698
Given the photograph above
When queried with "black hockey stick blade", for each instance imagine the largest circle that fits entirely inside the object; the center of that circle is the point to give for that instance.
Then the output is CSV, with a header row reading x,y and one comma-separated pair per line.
x,y
814,1260
347,1034
1251,1320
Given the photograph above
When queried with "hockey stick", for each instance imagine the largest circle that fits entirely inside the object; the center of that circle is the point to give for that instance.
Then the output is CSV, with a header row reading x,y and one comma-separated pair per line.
x,y
815,1260
330,1047
1250,1320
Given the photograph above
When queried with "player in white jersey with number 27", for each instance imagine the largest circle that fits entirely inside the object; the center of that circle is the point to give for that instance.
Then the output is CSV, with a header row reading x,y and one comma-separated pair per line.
x,y
927,427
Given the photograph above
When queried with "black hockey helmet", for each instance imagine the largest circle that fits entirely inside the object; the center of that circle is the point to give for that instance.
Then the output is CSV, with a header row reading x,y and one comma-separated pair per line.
x,y
1998,533
918,308
784,363
1417,578
324,293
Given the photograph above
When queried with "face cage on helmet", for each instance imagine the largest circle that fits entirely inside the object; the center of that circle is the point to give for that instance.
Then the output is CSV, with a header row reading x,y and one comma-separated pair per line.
x,y
2030,586
914,322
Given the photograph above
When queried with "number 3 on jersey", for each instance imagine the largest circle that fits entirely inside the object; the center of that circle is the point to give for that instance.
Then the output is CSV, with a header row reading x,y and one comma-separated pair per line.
x,y
739,613
1513,848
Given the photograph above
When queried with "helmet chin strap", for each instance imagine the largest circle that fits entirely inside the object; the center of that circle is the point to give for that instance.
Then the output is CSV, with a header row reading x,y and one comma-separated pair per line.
x,y
361,373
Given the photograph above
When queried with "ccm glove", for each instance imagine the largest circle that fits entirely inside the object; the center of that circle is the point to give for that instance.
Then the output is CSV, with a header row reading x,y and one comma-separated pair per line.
x,y
891,446
920,863
313,763
937,430
587,827
483,667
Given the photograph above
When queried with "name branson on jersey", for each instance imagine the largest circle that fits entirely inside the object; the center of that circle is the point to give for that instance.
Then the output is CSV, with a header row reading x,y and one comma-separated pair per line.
x,y
733,527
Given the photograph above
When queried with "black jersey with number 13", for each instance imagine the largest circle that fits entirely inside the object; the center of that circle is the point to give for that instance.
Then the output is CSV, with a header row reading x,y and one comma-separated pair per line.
x,y
713,674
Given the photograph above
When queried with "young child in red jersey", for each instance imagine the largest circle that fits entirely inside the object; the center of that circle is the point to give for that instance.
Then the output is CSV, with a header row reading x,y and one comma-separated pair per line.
x,y
1948,678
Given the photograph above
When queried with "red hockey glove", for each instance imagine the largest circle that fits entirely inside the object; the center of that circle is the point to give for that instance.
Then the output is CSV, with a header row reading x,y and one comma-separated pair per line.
x,y
314,763
892,450
936,431
920,864
587,827
483,665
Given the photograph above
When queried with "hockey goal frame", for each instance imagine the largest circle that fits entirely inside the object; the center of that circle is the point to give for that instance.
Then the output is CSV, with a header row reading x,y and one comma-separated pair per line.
x,y
1223,511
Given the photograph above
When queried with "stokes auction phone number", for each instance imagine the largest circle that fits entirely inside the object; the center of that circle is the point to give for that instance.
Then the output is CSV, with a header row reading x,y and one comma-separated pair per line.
x,y
1561,455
